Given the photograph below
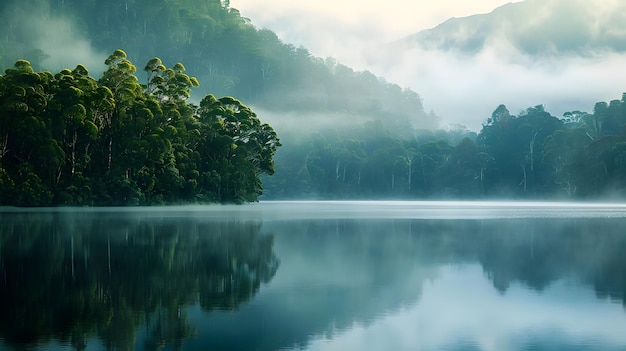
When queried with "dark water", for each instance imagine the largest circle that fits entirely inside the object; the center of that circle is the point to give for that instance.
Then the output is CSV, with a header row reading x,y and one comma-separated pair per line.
x,y
315,276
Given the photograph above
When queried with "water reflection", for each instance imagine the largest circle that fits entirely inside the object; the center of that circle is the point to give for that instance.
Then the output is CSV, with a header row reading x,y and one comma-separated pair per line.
x,y
72,277
452,283
112,280
461,311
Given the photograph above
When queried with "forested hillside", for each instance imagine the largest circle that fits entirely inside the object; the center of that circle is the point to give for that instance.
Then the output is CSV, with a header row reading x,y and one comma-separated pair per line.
x,y
223,49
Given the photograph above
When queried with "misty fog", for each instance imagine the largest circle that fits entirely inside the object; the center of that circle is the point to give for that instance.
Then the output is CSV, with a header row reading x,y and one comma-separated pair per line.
x,y
459,87
465,87
445,111
51,42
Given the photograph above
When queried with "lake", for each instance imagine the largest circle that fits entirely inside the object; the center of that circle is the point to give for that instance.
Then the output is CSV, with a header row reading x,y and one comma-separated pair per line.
x,y
315,276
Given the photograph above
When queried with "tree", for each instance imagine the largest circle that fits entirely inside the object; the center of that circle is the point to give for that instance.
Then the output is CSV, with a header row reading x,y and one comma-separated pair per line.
x,y
69,139
515,143
560,150
238,145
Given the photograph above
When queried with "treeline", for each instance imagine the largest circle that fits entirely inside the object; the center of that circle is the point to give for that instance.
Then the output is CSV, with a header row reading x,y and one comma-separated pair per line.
x,y
224,50
530,155
69,139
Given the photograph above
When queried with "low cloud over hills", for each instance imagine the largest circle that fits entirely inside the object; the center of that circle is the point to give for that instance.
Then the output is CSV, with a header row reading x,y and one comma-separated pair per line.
x,y
565,54
534,27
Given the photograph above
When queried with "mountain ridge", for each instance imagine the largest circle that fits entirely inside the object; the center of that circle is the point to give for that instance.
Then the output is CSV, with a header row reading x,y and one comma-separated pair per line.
x,y
216,44
532,27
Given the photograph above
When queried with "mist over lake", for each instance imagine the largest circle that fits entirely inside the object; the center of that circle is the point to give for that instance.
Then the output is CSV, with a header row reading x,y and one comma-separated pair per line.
x,y
315,276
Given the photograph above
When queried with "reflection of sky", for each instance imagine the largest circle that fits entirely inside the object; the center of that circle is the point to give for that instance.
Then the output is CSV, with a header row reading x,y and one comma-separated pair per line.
x,y
347,282
461,310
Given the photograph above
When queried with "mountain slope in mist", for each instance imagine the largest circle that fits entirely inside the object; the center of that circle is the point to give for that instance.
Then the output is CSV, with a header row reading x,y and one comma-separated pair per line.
x,y
563,54
219,46
534,27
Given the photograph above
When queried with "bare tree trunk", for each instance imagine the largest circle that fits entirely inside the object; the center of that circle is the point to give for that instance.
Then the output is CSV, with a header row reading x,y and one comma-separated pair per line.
x,y
73,154
531,148
4,144
110,154
482,184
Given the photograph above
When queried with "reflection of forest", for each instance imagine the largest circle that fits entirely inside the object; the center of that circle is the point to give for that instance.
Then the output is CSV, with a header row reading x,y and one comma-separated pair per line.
x,y
336,274
116,277
538,252
71,277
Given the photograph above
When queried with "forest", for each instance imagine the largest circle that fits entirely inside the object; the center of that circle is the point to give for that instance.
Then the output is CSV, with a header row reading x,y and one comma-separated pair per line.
x,y
68,139
120,139
223,49
533,155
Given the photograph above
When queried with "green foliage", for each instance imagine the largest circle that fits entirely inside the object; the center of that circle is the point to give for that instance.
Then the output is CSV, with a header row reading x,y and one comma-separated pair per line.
x,y
67,139
79,135
531,155
224,50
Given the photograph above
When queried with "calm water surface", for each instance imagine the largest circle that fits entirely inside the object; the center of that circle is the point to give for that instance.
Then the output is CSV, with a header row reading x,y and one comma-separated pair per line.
x,y
315,276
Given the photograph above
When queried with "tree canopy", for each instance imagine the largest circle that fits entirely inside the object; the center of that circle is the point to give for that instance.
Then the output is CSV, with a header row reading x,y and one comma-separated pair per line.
x,y
530,155
228,54
69,139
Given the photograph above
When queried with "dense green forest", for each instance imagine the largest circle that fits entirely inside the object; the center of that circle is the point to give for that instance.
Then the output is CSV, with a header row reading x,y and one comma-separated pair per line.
x,y
68,139
346,134
530,155
223,49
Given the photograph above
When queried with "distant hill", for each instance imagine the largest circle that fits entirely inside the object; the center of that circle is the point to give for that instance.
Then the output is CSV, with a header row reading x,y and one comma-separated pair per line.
x,y
217,44
534,27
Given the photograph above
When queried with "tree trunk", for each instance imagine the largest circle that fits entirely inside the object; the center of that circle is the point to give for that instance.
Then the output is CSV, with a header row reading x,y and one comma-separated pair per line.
x,y
410,162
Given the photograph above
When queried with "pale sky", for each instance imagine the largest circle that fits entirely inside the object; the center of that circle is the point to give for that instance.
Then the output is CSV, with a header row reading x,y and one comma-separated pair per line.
x,y
324,26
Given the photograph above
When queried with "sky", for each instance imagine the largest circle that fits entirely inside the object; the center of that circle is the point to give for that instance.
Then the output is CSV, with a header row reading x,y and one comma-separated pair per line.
x,y
460,89
328,27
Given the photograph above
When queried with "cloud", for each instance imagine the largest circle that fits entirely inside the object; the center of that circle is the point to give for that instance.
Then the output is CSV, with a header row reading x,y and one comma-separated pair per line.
x,y
66,47
52,42
343,29
459,88
467,88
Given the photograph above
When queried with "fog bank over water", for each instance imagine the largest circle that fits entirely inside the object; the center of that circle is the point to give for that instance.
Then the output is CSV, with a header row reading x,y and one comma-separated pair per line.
x,y
299,210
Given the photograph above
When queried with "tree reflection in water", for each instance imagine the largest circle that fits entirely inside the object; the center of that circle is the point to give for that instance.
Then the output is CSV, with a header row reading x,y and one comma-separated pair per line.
x,y
70,277
127,280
